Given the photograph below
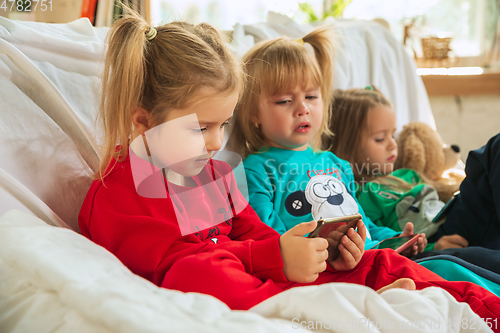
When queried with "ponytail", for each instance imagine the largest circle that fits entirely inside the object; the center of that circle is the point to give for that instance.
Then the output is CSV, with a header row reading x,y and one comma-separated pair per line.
x,y
122,84
322,41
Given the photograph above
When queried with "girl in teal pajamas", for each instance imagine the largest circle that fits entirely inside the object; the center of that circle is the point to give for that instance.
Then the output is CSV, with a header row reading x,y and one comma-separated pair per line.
x,y
279,124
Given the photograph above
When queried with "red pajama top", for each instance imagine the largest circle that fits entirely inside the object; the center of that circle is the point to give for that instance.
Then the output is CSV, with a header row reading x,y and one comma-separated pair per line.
x,y
144,231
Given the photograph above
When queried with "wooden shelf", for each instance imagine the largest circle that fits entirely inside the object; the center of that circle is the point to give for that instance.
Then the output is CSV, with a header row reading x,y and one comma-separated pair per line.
x,y
487,83
458,85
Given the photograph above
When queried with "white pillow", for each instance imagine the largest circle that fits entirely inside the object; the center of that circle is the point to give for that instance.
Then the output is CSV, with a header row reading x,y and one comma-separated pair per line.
x,y
49,97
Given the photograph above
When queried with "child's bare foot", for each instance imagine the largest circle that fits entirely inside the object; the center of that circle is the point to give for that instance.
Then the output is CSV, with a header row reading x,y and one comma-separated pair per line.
x,y
404,283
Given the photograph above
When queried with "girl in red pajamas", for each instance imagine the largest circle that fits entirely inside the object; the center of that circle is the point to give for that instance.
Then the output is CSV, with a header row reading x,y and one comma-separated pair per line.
x,y
175,216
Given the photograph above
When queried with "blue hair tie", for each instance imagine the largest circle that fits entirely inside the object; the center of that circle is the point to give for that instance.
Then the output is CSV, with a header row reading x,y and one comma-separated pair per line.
x,y
368,88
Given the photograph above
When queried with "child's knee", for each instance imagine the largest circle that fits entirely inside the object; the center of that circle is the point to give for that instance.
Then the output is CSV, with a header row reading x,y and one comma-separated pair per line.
x,y
194,271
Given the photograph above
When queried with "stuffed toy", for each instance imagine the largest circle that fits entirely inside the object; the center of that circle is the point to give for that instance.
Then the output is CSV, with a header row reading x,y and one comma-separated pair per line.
x,y
420,148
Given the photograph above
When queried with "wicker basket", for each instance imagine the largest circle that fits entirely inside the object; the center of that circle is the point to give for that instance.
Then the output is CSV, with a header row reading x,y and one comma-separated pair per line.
x,y
435,47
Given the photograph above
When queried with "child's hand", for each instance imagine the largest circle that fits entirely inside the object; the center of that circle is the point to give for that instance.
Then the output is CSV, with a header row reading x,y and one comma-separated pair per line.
x,y
451,241
351,247
416,248
303,258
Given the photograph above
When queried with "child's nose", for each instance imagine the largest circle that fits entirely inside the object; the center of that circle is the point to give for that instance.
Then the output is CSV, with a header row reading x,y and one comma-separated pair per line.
x,y
302,110
213,141
392,143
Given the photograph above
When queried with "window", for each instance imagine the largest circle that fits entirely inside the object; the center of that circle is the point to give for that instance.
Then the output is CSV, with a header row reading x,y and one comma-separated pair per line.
x,y
471,23
222,14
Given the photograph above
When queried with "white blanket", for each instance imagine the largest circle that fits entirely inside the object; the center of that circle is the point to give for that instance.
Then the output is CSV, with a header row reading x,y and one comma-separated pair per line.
x,y
55,280
49,98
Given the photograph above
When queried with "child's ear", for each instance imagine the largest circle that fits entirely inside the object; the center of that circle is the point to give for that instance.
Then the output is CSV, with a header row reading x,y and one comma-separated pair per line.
x,y
140,119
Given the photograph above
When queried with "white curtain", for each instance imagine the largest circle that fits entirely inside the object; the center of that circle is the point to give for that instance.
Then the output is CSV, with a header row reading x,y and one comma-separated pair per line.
x,y
224,14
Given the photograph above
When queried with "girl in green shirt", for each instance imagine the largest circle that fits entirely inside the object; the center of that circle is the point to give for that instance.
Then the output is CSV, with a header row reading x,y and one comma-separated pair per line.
x,y
364,124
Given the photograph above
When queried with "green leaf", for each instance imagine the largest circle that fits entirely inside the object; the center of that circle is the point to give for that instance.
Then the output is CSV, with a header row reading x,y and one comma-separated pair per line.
x,y
337,8
308,9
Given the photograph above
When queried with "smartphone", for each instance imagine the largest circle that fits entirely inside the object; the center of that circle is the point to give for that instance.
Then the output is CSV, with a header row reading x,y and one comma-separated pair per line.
x,y
398,244
446,209
327,225
333,229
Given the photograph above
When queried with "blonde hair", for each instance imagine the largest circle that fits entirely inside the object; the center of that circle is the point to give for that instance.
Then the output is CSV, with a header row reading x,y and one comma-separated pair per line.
x,y
165,72
274,66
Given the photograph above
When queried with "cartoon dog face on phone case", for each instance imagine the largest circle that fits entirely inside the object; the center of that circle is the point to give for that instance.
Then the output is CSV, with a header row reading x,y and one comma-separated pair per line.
x,y
329,197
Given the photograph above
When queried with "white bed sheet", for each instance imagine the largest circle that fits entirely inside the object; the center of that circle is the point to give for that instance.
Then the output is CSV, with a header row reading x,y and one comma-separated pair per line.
x,y
55,280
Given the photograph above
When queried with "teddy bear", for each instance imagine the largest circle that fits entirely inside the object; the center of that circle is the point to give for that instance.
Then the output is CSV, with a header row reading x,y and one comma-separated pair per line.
x,y
421,148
